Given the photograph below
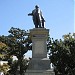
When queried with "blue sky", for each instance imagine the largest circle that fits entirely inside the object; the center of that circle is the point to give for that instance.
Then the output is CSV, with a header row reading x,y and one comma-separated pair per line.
x,y
59,15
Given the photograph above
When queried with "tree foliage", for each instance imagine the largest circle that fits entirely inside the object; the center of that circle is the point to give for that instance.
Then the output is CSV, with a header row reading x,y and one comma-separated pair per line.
x,y
4,68
62,55
18,42
3,53
15,67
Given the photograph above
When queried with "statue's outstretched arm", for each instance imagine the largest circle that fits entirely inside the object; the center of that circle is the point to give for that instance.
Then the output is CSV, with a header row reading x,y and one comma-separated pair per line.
x,y
30,14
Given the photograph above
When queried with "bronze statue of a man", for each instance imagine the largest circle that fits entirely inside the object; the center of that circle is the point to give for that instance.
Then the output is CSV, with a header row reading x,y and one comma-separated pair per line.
x,y
38,18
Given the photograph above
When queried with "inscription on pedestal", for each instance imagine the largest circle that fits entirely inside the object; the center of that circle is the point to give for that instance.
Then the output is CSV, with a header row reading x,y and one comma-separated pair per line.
x,y
39,36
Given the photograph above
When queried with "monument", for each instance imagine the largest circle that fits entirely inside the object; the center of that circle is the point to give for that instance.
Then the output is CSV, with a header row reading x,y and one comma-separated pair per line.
x,y
39,64
38,18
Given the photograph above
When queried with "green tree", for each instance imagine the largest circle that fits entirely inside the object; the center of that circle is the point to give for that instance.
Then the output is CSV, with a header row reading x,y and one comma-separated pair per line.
x,y
4,68
15,66
62,55
19,43
3,50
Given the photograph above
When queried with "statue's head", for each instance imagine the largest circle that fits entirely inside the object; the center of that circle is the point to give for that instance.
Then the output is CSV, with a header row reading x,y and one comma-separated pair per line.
x,y
36,6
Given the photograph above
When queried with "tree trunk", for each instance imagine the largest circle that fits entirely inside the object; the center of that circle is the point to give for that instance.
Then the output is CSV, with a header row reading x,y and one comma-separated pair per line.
x,y
20,65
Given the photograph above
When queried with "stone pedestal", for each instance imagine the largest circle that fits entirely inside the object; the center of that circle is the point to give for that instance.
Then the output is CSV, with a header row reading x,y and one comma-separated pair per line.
x,y
40,64
39,37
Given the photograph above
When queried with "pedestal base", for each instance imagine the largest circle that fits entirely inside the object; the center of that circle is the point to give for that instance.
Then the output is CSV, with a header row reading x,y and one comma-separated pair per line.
x,y
39,72
39,64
